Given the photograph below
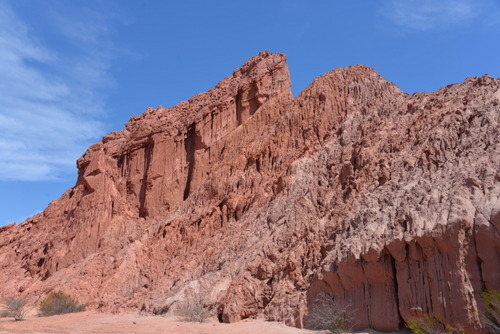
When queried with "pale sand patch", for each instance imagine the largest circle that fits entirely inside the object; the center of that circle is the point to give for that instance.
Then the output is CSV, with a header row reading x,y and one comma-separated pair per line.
x,y
100,323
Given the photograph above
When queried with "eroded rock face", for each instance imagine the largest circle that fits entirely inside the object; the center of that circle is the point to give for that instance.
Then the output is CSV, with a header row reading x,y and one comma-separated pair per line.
x,y
257,202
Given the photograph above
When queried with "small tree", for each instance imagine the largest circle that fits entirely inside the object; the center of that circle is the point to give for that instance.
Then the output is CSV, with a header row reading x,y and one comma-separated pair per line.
x,y
329,314
13,307
491,318
59,303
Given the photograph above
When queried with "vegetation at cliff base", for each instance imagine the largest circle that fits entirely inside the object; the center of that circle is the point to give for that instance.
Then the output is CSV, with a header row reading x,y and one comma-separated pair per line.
x,y
193,310
14,307
431,324
491,318
328,313
59,303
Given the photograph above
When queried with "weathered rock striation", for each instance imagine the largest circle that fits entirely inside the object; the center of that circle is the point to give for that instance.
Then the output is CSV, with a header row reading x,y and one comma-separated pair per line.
x,y
256,201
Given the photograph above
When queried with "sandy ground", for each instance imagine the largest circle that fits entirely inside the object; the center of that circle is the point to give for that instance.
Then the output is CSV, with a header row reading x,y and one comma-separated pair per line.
x,y
100,323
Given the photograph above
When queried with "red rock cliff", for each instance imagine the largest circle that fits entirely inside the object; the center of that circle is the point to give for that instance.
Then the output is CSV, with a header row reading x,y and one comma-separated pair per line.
x,y
258,201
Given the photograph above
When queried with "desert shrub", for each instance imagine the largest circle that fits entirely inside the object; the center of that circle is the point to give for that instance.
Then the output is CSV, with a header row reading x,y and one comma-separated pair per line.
x,y
431,324
13,307
329,314
193,310
491,319
59,303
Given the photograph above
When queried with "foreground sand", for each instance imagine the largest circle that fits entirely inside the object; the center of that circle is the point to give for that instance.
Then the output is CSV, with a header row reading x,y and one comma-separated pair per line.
x,y
100,323
92,322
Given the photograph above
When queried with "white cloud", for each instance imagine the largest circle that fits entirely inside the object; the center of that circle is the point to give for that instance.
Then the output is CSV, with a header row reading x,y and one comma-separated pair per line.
x,y
50,100
434,14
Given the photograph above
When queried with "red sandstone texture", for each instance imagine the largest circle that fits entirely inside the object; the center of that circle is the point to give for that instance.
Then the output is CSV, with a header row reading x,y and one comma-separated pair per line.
x,y
256,201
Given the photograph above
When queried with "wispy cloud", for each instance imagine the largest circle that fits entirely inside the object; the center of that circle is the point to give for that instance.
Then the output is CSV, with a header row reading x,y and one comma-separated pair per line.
x,y
425,15
50,100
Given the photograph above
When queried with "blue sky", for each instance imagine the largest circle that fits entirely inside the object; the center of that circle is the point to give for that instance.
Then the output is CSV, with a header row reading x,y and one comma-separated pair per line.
x,y
72,71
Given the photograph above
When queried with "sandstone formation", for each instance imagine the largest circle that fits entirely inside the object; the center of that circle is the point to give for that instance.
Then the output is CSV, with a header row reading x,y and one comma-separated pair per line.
x,y
256,201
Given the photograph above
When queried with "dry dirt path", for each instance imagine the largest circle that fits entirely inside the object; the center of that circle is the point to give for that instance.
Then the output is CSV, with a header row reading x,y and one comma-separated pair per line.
x,y
100,323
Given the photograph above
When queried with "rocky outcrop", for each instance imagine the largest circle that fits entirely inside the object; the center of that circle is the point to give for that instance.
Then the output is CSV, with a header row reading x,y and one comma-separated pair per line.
x,y
428,223
257,201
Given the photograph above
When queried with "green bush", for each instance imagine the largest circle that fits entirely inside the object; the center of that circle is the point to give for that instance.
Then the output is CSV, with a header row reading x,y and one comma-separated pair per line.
x,y
13,307
431,324
59,303
491,319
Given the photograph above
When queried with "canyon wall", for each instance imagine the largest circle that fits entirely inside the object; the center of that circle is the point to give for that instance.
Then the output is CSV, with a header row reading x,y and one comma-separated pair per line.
x,y
256,201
